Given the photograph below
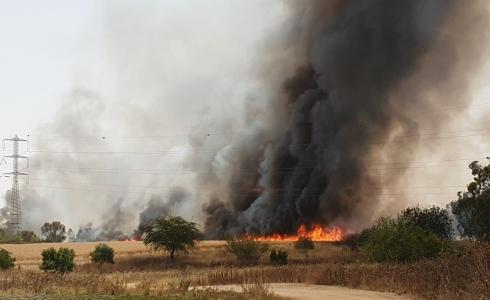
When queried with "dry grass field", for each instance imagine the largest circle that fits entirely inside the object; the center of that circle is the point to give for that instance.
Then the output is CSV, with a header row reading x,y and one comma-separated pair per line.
x,y
29,255
463,274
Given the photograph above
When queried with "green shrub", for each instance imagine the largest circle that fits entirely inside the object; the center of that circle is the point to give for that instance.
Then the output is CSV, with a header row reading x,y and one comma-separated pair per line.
x,y
60,261
304,245
433,219
279,257
6,261
400,241
247,251
102,254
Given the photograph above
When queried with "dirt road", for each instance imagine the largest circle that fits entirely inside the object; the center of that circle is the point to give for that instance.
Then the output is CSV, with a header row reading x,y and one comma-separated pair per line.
x,y
321,292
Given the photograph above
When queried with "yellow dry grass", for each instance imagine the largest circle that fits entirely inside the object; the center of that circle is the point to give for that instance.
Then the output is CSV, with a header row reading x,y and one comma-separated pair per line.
x,y
33,251
29,255
462,274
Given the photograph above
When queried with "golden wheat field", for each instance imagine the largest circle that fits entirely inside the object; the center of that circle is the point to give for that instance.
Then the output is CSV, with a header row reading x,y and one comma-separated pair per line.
x,y
29,255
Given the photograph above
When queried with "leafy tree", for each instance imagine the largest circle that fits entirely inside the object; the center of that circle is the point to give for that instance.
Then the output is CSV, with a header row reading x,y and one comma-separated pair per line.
x,y
54,232
28,236
6,261
433,219
400,241
102,254
60,261
304,245
171,234
279,257
247,250
472,209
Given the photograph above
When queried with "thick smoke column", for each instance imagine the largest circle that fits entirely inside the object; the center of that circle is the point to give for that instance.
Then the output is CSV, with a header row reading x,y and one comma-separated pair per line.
x,y
372,71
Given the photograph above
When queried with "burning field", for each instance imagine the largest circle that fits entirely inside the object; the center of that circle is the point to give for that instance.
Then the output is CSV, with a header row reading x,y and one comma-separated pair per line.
x,y
315,232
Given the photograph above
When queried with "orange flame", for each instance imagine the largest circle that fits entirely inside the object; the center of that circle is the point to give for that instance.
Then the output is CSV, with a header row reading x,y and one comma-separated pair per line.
x,y
317,233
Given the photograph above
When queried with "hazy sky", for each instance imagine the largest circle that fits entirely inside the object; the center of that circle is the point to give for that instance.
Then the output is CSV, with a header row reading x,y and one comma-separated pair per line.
x,y
42,45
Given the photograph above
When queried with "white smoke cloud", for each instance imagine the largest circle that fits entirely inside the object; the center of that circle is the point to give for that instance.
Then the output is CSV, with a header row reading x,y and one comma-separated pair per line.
x,y
161,66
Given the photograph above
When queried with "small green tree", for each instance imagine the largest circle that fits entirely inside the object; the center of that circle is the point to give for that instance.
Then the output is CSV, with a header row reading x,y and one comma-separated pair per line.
x,y
247,250
304,245
400,241
433,219
472,209
102,254
54,232
171,234
61,261
28,236
279,257
6,260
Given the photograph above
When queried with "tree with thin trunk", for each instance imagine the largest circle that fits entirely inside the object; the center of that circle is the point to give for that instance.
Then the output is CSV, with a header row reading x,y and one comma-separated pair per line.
x,y
171,234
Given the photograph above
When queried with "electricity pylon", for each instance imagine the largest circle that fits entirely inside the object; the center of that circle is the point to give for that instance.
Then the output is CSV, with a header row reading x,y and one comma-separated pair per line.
x,y
13,202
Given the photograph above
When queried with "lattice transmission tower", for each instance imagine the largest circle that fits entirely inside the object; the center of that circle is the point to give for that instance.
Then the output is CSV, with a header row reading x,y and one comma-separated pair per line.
x,y
13,202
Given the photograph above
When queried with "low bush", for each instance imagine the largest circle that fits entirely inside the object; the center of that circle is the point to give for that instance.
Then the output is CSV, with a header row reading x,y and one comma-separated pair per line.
x,y
6,261
279,257
400,241
247,251
304,245
60,261
102,254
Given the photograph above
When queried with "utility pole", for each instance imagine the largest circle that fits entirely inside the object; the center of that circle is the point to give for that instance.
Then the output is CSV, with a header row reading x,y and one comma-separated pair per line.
x,y
13,202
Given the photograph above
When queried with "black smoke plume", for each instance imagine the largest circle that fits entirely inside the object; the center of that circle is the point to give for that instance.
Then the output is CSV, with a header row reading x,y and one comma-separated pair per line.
x,y
369,71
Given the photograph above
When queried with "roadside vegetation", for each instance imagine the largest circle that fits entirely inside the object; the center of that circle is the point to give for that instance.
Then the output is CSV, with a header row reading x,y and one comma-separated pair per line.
x,y
247,250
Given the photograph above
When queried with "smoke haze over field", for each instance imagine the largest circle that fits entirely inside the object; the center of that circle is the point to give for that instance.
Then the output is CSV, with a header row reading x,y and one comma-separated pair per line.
x,y
256,120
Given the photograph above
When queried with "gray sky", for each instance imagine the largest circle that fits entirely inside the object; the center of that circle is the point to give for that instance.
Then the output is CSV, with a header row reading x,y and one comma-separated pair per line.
x,y
43,43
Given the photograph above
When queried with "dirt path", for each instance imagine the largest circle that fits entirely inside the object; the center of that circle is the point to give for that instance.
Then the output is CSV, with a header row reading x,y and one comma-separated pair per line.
x,y
320,292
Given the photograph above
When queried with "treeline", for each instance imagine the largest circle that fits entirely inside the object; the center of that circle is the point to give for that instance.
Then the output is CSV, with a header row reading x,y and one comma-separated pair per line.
x,y
417,233
53,232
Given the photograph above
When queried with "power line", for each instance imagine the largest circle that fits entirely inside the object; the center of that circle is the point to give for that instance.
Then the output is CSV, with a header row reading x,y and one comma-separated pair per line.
x,y
237,195
203,188
401,139
183,171
211,133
